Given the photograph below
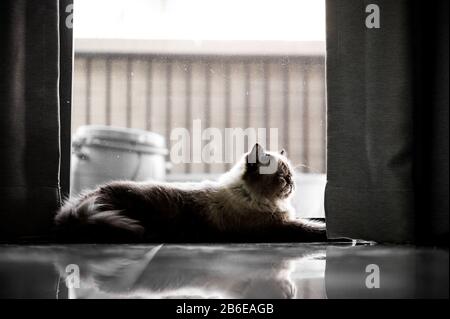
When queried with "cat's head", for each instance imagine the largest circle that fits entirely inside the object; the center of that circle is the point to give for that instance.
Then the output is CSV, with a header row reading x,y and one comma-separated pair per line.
x,y
268,174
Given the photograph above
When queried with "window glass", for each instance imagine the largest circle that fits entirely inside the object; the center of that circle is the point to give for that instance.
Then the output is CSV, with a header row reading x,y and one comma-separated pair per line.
x,y
174,67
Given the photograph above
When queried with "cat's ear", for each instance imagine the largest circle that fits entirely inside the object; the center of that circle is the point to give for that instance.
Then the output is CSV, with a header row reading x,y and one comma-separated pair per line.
x,y
283,152
255,154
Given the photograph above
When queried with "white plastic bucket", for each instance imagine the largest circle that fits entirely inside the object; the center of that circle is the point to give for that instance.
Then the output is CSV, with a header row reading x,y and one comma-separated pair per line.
x,y
103,153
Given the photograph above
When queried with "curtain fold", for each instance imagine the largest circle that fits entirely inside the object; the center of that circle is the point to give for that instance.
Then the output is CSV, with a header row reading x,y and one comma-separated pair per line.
x,y
29,117
387,121
65,91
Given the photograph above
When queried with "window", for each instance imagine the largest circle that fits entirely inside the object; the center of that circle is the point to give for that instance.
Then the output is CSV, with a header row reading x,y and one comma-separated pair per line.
x,y
171,64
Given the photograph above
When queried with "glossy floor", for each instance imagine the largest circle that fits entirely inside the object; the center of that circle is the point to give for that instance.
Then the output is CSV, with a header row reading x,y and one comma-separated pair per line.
x,y
223,271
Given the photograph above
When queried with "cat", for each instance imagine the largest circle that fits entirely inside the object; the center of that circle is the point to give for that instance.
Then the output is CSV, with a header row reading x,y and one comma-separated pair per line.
x,y
246,204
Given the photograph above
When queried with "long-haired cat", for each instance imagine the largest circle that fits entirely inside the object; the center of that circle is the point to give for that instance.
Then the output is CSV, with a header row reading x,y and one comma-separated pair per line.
x,y
248,203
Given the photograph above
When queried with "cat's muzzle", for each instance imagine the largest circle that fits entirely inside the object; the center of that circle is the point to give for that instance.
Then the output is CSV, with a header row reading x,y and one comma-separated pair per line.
x,y
287,190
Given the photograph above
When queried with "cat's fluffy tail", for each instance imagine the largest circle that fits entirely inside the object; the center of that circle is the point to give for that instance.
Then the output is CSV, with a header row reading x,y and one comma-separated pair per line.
x,y
84,219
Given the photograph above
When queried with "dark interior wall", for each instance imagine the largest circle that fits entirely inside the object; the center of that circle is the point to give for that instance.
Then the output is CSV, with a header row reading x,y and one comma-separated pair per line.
x,y
431,174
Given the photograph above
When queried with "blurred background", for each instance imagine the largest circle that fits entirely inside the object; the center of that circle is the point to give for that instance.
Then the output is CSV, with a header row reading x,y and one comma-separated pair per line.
x,y
156,65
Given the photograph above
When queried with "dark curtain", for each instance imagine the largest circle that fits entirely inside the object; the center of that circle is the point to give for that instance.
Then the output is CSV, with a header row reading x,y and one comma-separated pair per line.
x,y
30,144
388,121
65,91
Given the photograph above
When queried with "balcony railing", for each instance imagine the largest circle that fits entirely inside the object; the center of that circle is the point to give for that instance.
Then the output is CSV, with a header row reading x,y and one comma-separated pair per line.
x,y
159,93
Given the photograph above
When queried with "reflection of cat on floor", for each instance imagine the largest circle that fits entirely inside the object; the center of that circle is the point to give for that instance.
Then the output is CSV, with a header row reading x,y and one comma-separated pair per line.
x,y
187,272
